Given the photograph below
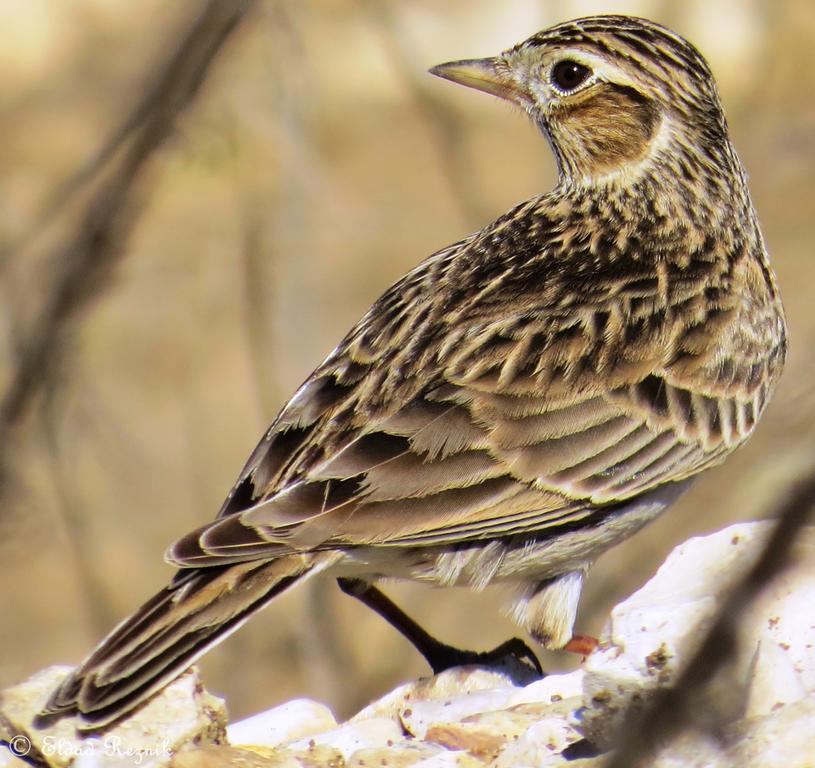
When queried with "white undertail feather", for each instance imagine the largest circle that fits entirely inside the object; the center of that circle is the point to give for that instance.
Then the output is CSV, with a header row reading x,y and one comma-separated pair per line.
x,y
548,612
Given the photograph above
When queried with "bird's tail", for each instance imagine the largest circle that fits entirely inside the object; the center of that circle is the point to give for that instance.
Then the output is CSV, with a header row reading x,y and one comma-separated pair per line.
x,y
169,632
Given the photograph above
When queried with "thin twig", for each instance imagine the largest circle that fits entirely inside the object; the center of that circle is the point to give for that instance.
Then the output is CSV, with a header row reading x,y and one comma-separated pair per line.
x,y
672,709
89,256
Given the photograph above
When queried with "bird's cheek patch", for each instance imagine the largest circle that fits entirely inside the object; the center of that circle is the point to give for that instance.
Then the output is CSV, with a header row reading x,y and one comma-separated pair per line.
x,y
614,126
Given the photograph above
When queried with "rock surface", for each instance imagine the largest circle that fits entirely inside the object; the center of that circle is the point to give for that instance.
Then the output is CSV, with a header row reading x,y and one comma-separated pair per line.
x,y
471,717
292,720
183,714
653,633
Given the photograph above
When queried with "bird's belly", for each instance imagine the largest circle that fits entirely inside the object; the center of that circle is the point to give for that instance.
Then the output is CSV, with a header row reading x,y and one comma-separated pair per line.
x,y
530,557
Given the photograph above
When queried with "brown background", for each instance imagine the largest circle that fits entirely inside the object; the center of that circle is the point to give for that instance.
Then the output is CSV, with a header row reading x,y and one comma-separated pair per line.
x,y
319,164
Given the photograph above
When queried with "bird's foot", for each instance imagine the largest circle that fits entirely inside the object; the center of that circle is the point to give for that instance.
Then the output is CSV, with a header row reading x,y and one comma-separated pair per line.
x,y
439,655
442,657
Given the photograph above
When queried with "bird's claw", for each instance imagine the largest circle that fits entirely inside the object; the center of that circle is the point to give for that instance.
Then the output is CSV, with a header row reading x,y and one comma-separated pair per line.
x,y
444,657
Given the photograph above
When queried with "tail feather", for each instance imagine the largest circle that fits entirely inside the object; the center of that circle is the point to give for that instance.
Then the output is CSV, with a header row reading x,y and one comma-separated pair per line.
x,y
170,631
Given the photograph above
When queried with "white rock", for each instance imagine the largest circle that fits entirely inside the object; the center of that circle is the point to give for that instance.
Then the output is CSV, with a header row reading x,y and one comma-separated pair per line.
x,y
422,715
452,683
7,760
289,721
419,716
471,717
353,736
459,759
781,630
404,754
180,714
550,690
775,679
539,746
782,739
653,633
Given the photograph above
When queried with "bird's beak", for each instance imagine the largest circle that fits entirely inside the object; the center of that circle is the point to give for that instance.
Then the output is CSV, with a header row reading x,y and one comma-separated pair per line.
x,y
488,75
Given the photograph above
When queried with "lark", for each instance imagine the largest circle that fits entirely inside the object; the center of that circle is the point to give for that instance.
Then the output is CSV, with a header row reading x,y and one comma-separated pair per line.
x,y
520,401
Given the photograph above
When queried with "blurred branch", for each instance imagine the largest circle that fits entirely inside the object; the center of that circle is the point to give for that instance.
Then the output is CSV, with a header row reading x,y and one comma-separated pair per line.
x,y
87,259
64,192
257,264
445,124
673,709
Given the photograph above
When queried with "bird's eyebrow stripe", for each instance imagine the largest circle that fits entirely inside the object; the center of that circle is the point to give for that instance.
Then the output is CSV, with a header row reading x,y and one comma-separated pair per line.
x,y
642,51
634,49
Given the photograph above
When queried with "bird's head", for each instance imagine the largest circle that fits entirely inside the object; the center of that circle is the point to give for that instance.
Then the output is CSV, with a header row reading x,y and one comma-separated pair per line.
x,y
615,95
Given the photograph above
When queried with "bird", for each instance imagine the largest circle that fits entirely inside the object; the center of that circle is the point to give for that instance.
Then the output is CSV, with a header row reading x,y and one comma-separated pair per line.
x,y
521,400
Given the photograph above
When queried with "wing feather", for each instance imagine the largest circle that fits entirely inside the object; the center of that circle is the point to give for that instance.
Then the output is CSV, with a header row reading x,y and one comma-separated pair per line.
x,y
415,433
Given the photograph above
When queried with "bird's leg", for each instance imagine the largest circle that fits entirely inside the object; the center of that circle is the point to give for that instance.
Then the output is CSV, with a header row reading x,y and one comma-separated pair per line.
x,y
439,655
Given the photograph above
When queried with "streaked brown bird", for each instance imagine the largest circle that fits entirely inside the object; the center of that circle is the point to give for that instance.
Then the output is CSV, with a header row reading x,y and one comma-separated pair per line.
x,y
523,399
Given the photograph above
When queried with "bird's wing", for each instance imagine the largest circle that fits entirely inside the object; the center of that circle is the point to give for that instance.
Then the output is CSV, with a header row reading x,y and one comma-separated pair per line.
x,y
484,426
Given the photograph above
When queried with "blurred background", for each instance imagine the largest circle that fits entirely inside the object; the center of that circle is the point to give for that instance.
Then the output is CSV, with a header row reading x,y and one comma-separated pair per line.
x,y
318,163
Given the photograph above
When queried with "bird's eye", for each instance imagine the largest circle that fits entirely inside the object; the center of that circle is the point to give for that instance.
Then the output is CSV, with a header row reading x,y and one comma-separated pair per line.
x,y
568,75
